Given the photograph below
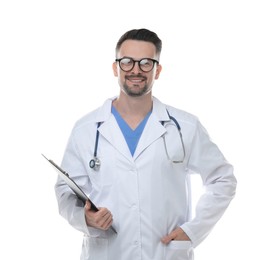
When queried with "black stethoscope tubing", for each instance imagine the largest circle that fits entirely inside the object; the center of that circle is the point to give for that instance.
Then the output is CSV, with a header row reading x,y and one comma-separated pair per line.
x,y
174,120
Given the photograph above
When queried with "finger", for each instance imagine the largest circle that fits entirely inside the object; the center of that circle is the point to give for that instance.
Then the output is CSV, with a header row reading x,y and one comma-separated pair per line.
x,y
104,219
107,218
107,223
168,238
177,234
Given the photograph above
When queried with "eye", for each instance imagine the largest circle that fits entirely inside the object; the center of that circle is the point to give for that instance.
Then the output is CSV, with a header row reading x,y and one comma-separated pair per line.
x,y
146,62
126,61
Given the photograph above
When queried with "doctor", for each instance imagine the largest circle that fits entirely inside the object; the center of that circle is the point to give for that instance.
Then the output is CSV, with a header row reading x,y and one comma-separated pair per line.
x,y
133,156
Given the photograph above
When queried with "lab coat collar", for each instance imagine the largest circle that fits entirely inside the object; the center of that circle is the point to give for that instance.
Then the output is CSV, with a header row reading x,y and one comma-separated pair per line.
x,y
152,131
104,112
159,110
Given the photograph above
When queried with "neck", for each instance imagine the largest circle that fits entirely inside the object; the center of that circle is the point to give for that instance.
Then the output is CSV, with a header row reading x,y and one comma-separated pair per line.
x,y
133,109
133,106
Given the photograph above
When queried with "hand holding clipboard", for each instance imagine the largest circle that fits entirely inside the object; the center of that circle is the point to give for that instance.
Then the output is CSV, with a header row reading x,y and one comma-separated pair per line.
x,y
75,188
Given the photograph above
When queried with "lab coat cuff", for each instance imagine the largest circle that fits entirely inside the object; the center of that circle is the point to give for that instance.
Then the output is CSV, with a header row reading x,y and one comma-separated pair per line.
x,y
190,234
90,231
93,232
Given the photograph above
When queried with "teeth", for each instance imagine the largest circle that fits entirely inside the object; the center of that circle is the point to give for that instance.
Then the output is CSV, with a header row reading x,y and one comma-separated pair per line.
x,y
136,80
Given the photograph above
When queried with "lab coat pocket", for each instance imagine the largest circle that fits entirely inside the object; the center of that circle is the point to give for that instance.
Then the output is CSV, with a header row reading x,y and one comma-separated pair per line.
x,y
179,250
94,248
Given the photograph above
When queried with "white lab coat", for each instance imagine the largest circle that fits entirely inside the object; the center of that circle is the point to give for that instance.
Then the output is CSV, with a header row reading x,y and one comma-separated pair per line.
x,y
148,195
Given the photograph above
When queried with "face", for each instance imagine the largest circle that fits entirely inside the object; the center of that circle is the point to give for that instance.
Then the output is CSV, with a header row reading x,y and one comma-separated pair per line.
x,y
136,82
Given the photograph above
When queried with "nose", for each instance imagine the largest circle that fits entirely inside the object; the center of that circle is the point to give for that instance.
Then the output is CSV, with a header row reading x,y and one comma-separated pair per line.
x,y
136,69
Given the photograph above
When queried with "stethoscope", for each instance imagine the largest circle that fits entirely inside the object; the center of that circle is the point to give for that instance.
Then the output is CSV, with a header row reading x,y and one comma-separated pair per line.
x,y
95,162
181,140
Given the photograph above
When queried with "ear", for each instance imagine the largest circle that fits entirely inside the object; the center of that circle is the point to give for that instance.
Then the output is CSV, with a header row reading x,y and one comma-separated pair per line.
x,y
158,71
114,68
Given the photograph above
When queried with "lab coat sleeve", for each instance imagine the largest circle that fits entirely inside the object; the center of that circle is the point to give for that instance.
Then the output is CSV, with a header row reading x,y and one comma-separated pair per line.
x,y
70,207
219,182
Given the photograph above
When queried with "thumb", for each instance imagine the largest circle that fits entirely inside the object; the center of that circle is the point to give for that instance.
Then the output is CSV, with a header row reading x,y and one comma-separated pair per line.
x,y
87,205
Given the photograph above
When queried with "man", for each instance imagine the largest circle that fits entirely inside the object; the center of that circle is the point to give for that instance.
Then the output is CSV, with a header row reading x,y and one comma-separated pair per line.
x,y
129,157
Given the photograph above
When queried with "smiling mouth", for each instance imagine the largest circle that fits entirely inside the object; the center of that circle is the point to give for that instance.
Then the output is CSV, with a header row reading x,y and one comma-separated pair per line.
x,y
136,79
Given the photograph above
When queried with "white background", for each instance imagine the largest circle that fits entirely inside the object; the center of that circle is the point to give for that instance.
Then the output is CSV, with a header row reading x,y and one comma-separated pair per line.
x,y
220,62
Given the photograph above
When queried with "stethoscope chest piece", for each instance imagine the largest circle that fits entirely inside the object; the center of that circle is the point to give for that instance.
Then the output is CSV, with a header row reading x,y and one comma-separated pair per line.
x,y
95,164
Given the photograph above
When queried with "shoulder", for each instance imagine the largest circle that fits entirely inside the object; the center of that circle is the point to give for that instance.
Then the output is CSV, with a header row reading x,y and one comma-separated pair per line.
x,y
185,119
182,115
166,109
99,114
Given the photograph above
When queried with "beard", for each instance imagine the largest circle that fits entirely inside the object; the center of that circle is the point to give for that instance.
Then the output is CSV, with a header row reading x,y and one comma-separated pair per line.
x,y
135,90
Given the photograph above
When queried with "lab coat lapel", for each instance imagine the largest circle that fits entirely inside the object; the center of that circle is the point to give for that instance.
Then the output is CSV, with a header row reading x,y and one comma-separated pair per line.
x,y
110,130
153,128
112,133
152,131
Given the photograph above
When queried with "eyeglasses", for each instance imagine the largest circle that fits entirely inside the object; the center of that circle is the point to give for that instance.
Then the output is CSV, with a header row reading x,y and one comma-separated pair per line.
x,y
145,64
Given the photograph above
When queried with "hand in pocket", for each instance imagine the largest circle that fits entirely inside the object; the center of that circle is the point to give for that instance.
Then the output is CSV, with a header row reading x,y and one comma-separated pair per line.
x,y
178,234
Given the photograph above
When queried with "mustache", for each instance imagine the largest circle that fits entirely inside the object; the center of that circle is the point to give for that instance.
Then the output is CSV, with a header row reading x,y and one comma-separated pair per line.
x,y
136,76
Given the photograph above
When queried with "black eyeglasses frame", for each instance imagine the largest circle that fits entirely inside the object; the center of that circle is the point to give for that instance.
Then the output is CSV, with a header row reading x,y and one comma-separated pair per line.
x,y
139,63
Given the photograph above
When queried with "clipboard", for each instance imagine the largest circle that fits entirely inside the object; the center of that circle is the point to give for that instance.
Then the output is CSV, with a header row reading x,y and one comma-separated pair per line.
x,y
74,187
